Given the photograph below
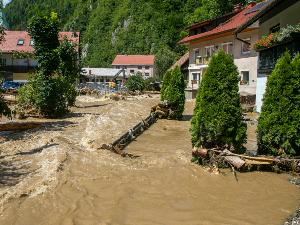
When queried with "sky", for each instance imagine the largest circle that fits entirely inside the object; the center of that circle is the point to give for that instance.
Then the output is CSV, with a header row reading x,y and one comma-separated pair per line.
x,y
5,2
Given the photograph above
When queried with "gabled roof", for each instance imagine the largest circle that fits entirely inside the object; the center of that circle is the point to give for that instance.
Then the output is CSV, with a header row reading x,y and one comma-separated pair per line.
x,y
225,28
12,37
133,60
263,10
181,61
109,72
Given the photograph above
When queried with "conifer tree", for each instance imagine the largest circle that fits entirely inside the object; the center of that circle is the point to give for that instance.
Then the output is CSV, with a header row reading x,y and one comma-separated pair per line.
x,y
217,119
174,92
165,84
278,124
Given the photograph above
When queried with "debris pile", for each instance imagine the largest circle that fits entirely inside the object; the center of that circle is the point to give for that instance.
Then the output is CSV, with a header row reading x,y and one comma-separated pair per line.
x,y
163,109
212,159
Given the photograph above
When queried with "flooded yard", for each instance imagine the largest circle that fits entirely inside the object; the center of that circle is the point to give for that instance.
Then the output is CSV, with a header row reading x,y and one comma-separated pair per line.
x,y
57,174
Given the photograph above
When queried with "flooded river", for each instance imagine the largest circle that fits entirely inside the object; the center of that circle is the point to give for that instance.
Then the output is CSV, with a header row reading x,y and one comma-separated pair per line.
x,y
57,174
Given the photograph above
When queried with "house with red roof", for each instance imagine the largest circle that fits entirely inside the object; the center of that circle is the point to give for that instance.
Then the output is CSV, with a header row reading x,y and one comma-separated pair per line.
x,y
208,37
133,64
18,69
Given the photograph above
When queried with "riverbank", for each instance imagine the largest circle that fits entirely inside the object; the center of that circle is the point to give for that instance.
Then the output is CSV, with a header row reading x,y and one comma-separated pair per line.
x,y
57,174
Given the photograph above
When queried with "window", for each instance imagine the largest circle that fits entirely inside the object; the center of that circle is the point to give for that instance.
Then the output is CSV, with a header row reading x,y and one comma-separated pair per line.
x,y
147,74
209,50
228,48
131,71
140,67
196,54
245,77
20,42
275,28
31,42
117,67
146,67
246,47
124,67
70,42
3,61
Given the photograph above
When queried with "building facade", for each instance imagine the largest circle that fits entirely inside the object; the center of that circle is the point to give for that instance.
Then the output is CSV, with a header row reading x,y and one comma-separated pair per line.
x,y
136,64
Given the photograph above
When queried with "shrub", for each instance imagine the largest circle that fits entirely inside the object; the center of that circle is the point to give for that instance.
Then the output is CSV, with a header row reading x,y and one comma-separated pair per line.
x,y
135,82
217,119
174,92
278,124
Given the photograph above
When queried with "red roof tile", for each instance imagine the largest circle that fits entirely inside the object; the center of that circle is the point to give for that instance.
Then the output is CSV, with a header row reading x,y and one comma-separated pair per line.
x,y
12,37
133,60
229,25
181,61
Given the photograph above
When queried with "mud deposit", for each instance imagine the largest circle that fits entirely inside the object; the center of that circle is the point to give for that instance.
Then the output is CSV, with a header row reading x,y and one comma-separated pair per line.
x,y
55,174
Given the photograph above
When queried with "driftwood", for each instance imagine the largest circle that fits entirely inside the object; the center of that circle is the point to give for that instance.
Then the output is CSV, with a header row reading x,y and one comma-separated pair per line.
x,y
222,158
18,126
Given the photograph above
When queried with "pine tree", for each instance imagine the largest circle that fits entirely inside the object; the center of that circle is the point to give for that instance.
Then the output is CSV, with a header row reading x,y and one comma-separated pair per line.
x,y
174,92
217,119
165,84
278,124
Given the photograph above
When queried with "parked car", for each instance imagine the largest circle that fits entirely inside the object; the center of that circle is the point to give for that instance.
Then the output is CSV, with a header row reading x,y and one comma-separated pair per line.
x,y
11,84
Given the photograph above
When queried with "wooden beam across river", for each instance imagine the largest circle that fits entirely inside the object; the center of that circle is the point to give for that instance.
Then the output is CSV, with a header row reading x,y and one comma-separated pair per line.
x,y
19,126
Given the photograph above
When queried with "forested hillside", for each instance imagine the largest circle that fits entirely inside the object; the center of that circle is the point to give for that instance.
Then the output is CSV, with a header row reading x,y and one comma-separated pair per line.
x,y
111,27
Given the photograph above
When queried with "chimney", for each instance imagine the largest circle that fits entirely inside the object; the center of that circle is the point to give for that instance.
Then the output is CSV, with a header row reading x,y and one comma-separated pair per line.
x,y
252,3
237,7
90,72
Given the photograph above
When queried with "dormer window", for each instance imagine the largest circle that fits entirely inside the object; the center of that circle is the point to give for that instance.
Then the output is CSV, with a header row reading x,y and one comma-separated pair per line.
x,y
31,42
20,42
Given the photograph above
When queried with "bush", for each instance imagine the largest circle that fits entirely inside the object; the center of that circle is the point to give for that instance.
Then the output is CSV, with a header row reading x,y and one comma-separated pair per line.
x,y
217,119
135,82
278,124
174,92
150,80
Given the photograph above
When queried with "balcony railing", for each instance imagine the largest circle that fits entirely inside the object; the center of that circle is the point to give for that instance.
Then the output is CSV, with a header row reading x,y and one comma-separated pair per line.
x,y
269,56
18,69
203,61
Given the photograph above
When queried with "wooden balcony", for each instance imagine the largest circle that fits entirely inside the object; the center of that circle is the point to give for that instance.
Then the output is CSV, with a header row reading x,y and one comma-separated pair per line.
x,y
18,69
269,56
203,61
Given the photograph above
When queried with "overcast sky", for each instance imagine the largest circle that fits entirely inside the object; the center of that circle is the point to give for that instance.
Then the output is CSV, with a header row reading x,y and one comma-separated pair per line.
x,y
5,2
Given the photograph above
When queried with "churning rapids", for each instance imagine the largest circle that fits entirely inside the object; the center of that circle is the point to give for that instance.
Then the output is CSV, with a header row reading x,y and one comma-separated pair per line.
x,y
56,174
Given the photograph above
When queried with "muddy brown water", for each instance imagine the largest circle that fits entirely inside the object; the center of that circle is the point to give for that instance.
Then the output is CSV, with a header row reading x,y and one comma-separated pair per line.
x,y
56,174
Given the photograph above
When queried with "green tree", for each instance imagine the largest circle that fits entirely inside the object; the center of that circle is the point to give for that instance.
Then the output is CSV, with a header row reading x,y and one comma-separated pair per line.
x,y
163,60
135,82
174,93
278,124
165,84
217,119
149,80
51,89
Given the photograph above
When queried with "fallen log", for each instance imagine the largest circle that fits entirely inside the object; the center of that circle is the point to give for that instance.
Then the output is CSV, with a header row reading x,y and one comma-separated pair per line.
x,y
234,160
154,107
199,152
162,109
161,113
19,126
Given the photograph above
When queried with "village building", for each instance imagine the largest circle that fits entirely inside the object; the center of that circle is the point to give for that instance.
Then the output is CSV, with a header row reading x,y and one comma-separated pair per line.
x,y
96,75
208,37
17,70
135,64
275,15
183,64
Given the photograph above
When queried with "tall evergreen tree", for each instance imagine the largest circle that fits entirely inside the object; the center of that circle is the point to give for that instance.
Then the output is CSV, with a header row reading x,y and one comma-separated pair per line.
x,y
217,119
278,124
165,84
174,92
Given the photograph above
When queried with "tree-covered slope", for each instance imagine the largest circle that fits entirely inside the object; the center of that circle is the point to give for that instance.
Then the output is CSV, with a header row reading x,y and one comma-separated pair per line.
x,y
111,27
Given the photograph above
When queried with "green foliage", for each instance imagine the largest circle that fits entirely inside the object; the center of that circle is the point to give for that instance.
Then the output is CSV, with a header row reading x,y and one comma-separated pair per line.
x,y
135,82
149,80
163,60
50,90
174,92
278,124
165,84
217,119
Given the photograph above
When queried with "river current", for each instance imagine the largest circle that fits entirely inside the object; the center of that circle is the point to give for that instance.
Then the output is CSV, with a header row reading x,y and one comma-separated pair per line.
x,y
57,174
